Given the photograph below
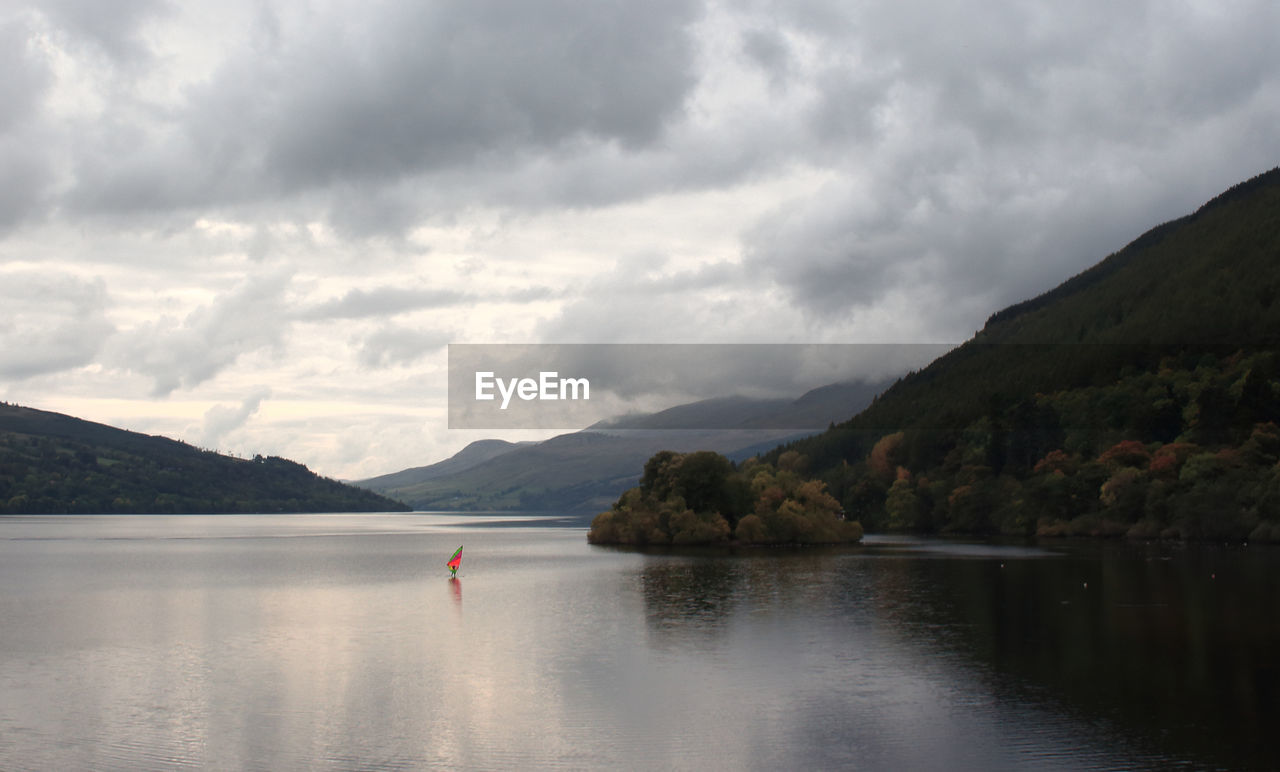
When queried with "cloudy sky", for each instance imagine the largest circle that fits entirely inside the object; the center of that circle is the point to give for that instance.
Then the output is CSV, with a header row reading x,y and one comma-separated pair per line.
x,y
255,225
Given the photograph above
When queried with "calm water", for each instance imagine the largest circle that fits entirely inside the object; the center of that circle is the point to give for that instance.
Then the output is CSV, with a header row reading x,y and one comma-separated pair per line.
x,y
338,642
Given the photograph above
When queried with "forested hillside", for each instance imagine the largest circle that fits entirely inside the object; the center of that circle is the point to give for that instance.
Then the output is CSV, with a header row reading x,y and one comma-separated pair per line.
x,y
1138,397
55,464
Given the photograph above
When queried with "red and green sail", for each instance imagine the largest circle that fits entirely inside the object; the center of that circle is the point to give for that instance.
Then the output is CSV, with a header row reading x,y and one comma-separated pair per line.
x,y
455,561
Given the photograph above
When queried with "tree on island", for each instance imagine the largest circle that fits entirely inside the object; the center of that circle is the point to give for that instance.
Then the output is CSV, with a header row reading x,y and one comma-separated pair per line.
x,y
703,498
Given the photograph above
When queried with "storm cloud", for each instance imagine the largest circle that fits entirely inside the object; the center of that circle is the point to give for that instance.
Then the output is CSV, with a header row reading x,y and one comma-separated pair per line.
x,y
1012,148
374,94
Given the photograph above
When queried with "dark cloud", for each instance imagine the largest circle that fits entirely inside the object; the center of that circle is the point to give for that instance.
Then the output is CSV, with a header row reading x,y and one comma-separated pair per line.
x,y
975,249
26,76
369,210
593,175
111,27
25,168
409,111
989,156
389,301
383,301
403,89
397,345
768,49
27,177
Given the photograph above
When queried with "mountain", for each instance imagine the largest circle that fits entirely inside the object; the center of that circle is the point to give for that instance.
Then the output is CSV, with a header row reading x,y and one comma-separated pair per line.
x,y
715,413
476,453
1136,397
812,410
56,464
568,473
586,471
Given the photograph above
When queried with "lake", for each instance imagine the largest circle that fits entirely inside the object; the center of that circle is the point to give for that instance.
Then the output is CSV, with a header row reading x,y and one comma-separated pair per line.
x,y
339,642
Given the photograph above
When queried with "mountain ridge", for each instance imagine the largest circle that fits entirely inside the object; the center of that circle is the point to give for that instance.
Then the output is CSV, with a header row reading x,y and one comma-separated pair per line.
x,y
1121,258
1169,343
474,453
52,463
580,472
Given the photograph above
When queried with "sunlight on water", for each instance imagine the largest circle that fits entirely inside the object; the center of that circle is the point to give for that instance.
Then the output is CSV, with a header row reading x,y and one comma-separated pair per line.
x,y
278,642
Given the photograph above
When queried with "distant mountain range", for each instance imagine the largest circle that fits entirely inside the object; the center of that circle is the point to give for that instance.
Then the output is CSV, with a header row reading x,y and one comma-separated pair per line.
x,y
814,410
56,464
583,472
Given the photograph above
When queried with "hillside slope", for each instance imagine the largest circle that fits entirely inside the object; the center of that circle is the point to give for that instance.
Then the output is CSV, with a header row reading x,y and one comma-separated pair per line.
x,y
473,454
56,464
1168,343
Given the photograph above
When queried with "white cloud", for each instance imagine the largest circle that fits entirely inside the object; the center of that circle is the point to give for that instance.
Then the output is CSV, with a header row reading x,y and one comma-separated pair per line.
x,y
184,353
398,345
49,323
221,420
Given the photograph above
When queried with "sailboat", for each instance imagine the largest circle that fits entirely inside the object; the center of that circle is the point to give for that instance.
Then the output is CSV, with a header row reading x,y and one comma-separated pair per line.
x,y
454,562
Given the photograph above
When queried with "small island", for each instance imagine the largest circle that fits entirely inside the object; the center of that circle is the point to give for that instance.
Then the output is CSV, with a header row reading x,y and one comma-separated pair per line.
x,y
702,498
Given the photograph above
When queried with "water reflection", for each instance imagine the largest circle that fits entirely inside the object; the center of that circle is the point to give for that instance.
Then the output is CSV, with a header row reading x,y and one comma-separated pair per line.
x,y
692,590
1166,652
689,596
293,643
814,651
1174,645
